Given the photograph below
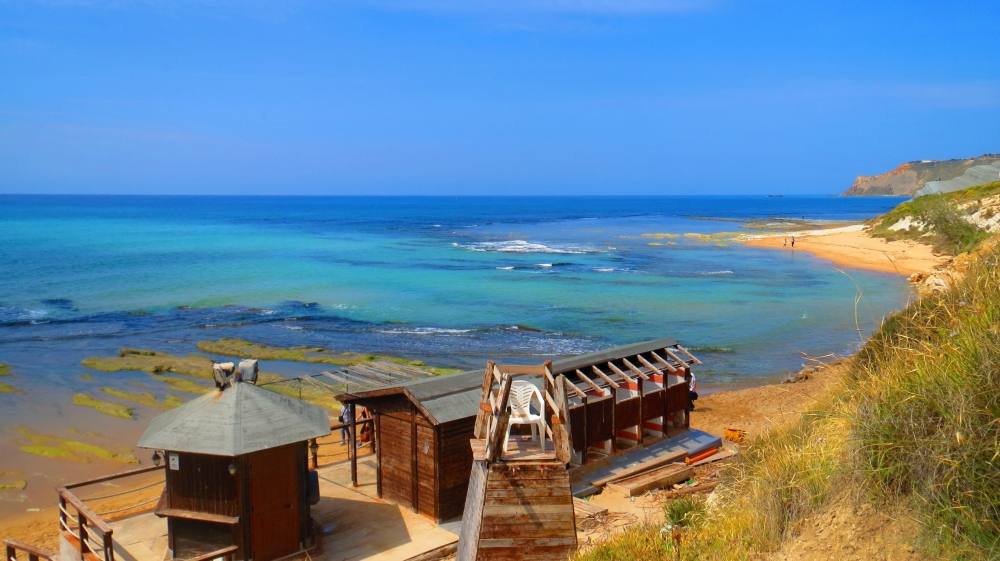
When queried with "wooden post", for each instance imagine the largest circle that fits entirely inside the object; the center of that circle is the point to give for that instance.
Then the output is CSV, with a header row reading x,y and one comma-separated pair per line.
x,y
378,455
109,548
642,390
353,431
81,524
495,449
11,554
63,523
414,472
484,413
560,437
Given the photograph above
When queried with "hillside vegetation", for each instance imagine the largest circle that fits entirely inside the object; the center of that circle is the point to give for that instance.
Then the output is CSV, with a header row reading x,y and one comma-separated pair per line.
x,y
952,222
911,428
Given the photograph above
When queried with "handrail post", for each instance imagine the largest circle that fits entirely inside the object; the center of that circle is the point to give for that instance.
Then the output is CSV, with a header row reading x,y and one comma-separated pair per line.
x,y
109,548
11,553
63,523
81,524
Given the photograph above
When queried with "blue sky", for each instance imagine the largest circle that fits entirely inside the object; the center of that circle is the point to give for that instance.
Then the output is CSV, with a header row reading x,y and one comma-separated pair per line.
x,y
488,96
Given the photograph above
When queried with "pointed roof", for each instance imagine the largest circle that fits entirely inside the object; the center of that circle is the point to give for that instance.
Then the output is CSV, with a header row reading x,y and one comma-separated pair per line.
x,y
235,421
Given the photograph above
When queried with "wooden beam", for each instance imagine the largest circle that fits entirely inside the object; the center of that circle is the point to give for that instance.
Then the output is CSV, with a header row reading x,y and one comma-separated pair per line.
x,y
577,390
353,446
414,472
633,368
605,377
519,369
497,375
666,364
590,382
493,403
675,357
479,431
192,515
548,377
649,365
378,454
618,371
552,403
685,351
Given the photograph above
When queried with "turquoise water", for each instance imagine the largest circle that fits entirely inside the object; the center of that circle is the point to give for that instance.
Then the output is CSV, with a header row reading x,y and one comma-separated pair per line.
x,y
449,280
452,281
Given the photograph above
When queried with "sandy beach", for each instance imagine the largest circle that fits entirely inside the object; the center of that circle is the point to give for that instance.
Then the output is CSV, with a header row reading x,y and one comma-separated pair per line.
x,y
852,247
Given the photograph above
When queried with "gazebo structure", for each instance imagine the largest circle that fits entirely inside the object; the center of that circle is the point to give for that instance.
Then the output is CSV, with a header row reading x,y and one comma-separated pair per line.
x,y
237,472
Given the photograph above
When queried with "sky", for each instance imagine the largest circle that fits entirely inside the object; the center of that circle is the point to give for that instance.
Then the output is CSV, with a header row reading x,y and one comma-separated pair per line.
x,y
488,97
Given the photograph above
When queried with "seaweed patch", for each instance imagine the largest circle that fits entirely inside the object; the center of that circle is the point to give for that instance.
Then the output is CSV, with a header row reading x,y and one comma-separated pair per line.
x,y
106,407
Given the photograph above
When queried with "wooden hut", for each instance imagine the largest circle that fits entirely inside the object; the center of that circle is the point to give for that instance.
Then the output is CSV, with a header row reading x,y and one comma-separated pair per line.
x,y
423,428
237,472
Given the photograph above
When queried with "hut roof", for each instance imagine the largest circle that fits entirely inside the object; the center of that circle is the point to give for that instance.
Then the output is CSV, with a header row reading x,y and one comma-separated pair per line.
x,y
453,397
241,419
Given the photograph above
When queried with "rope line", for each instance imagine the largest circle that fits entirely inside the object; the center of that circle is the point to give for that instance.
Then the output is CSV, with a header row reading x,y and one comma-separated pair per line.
x,y
128,507
125,492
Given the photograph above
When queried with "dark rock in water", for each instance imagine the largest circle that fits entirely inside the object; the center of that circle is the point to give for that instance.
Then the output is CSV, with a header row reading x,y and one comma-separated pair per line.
x,y
526,328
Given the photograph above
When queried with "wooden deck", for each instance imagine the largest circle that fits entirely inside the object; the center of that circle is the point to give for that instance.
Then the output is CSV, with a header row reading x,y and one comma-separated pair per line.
x,y
353,523
519,449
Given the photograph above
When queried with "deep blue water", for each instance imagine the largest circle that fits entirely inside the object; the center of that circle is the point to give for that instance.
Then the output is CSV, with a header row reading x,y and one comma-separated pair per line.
x,y
442,279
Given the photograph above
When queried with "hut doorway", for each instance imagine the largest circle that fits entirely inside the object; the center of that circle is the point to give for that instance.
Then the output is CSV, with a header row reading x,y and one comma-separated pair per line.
x,y
274,503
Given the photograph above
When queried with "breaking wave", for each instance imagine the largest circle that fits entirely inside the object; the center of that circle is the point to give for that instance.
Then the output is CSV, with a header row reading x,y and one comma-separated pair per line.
x,y
521,246
423,331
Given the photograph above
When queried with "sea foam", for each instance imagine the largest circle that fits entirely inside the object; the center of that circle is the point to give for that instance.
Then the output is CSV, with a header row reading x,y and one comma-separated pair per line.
x,y
522,246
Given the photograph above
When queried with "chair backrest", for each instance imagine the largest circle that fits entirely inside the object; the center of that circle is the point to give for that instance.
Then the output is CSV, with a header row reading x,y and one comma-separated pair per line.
x,y
521,393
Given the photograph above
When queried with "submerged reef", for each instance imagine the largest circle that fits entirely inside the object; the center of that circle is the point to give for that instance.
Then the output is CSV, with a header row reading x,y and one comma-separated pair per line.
x,y
106,407
50,446
146,398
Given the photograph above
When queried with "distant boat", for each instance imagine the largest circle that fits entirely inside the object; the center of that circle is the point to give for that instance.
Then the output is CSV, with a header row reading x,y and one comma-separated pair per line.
x,y
775,195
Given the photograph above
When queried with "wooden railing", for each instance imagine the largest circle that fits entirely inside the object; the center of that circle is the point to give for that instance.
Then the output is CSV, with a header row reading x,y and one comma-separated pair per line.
x,y
494,414
33,553
91,534
316,448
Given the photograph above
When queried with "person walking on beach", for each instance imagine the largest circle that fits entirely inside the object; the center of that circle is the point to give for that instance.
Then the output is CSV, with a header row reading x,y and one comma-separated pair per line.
x,y
793,243
692,391
784,243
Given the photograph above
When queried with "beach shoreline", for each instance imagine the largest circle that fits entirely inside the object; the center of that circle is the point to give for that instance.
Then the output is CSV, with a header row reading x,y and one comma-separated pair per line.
x,y
853,247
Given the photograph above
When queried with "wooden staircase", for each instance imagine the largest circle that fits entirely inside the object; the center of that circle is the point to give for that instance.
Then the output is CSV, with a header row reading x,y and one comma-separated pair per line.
x,y
519,504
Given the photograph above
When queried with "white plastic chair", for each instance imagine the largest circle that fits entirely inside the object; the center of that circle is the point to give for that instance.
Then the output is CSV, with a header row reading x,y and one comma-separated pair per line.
x,y
521,394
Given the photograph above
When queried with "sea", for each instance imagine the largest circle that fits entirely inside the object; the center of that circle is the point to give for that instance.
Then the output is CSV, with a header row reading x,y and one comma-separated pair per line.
x,y
452,281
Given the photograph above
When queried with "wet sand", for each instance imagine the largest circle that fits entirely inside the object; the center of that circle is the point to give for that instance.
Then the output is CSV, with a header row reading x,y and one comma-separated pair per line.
x,y
852,247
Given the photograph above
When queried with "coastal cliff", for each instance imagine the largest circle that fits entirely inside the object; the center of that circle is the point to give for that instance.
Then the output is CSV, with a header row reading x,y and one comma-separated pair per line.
x,y
911,177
